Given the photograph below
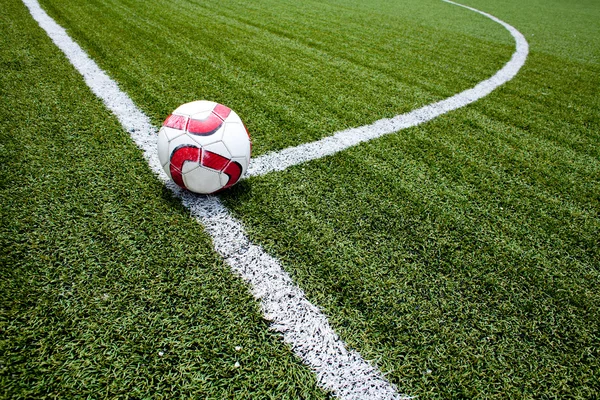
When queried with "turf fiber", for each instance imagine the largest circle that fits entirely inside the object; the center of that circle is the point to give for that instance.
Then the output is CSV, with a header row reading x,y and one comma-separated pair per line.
x,y
109,289
462,256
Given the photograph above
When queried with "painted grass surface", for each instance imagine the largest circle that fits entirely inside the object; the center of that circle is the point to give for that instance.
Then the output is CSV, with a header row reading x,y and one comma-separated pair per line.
x,y
108,288
462,255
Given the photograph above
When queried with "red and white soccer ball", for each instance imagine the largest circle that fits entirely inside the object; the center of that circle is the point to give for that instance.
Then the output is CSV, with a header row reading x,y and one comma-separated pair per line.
x,y
204,147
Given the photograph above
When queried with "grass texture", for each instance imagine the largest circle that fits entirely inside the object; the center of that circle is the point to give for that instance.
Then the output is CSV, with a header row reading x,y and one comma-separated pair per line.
x,y
295,72
462,256
109,289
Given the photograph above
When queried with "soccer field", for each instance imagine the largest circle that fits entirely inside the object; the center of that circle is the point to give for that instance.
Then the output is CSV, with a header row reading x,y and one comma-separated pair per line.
x,y
460,257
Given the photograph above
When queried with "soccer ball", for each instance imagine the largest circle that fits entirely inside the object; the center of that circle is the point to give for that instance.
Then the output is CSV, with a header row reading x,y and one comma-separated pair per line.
x,y
204,147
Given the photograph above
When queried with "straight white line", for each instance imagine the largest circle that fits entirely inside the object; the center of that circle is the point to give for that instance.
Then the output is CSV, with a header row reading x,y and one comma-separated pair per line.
x,y
302,324
279,161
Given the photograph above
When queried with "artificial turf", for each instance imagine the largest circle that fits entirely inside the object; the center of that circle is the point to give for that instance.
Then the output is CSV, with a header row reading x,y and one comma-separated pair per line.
x,y
294,72
108,288
462,256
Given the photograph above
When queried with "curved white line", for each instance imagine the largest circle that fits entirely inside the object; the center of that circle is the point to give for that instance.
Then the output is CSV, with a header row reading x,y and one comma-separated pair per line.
x,y
302,324
280,160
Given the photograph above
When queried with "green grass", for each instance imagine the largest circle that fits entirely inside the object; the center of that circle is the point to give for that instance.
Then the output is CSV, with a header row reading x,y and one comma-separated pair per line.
x,y
108,288
462,255
295,72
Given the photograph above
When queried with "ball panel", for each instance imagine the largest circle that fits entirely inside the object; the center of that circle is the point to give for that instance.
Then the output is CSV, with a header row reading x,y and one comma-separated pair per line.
x,y
189,166
204,126
176,122
201,115
236,139
182,155
243,161
207,140
233,117
222,111
234,171
163,148
172,133
195,107
218,148
224,178
214,161
202,180
181,140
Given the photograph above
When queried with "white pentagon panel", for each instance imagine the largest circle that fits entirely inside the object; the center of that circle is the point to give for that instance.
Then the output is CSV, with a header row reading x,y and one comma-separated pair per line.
x,y
202,180
163,147
171,133
195,107
183,140
236,139
218,148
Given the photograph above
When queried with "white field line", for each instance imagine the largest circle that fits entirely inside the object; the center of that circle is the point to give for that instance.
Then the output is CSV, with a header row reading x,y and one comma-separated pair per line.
x,y
278,161
302,325
344,372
